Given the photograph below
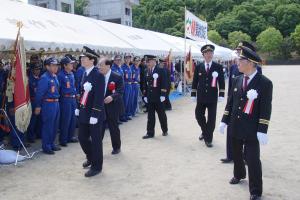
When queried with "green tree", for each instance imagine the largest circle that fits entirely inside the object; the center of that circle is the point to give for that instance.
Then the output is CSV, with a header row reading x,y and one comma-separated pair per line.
x,y
79,6
237,36
288,16
215,37
287,47
296,38
270,41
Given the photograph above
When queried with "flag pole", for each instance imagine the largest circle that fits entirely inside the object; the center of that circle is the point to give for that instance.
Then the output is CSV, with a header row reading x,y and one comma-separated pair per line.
x,y
184,84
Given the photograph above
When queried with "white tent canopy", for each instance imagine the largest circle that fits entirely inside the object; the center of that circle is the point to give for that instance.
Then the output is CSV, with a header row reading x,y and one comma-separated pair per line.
x,y
57,31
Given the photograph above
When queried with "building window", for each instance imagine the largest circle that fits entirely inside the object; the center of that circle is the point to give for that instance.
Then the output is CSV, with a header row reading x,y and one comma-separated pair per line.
x,y
65,7
127,11
43,5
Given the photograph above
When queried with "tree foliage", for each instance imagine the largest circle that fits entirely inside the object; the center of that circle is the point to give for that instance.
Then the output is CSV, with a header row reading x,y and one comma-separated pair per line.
x,y
296,38
237,36
270,41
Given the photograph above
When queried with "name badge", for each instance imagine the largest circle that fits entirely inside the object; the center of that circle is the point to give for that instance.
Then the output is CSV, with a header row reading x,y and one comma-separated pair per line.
x,y
68,84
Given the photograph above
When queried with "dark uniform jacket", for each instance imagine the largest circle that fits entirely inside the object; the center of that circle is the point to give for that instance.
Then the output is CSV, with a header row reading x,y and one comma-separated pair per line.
x,y
240,124
202,83
114,108
95,102
153,93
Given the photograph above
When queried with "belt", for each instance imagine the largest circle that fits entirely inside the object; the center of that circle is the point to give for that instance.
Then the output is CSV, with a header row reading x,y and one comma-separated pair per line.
x,y
128,82
69,95
136,82
51,100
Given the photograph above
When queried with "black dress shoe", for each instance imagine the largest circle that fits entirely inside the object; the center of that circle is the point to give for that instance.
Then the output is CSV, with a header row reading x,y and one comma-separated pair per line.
x,y
147,136
234,181
129,118
226,160
123,120
119,122
86,164
63,144
73,140
91,173
208,144
115,151
201,137
165,134
56,148
255,197
49,152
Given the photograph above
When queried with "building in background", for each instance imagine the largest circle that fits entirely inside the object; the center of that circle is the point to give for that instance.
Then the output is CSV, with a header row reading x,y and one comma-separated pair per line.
x,y
59,5
116,11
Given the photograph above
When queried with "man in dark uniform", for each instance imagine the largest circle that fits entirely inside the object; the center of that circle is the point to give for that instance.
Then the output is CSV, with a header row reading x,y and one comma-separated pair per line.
x,y
155,95
34,127
233,73
208,87
91,112
163,65
247,115
113,96
46,102
116,67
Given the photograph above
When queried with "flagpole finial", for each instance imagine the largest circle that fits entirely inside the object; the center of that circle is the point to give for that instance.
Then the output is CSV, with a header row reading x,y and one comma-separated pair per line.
x,y
19,24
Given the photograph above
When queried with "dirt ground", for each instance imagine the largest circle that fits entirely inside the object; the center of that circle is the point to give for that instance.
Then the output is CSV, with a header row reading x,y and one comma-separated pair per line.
x,y
176,167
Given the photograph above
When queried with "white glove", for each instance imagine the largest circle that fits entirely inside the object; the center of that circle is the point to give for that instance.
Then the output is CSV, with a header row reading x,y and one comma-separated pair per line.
x,y
262,138
220,99
146,99
222,127
76,112
162,99
194,99
93,120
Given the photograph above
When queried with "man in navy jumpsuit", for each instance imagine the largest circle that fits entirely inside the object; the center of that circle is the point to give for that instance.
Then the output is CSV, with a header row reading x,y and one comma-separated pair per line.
x,y
47,103
127,87
67,102
135,84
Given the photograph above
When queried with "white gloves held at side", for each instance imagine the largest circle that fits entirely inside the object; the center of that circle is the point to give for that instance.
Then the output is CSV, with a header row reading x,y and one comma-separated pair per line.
x,y
93,120
76,112
262,138
222,127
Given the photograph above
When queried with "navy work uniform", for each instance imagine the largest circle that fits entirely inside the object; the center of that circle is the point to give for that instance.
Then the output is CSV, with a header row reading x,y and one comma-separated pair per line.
x,y
248,124
135,88
91,111
208,84
67,104
47,98
127,97
3,77
155,91
34,128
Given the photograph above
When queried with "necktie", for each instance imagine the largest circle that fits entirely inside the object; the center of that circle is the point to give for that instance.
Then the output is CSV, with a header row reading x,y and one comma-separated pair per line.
x,y
207,68
246,78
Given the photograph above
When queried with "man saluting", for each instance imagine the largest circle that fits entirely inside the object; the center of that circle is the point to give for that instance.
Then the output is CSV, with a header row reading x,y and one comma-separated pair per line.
x,y
247,115
91,112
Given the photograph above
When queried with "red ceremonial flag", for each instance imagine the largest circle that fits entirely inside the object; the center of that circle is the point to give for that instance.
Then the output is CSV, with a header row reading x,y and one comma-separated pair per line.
x,y
21,87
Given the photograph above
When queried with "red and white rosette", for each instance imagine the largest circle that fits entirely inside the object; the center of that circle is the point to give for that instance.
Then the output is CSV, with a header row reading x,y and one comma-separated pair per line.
x,y
155,77
87,87
112,87
251,95
214,80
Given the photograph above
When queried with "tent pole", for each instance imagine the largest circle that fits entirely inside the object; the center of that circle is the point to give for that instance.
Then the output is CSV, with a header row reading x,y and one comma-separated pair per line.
x,y
184,81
